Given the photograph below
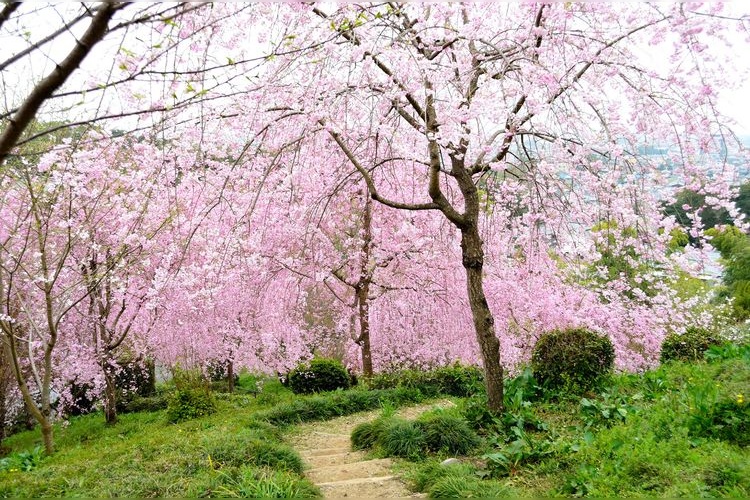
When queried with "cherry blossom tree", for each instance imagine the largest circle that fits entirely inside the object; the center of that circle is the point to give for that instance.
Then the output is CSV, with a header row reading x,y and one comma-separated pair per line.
x,y
554,95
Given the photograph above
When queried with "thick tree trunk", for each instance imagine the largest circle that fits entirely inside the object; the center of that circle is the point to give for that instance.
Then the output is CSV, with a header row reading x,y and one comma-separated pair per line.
x,y
484,324
230,376
110,397
49,443
364,328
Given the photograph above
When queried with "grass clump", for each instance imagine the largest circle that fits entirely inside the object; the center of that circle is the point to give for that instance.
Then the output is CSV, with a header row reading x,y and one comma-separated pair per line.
x,y
459,480
367,434
402,438
250,482
444,432
336,404
251,447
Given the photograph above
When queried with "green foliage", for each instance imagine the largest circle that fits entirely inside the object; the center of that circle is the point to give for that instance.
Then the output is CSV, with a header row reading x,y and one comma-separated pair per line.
x,y
319,375
185,404
728,350
454,380
572,361
710,216
459,480
142,404
251,447
521,451
22,461
617,260
727,420
251,482
611,409
688,346
402,438
336,404
448,433
734,246
136,378
367,434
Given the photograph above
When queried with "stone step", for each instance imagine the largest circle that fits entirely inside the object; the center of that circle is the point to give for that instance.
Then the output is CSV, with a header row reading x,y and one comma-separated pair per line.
x,y
368,487
367,469
332,440
324,451
316,461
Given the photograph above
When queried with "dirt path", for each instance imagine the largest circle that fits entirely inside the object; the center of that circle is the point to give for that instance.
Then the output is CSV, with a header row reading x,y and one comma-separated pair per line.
x,y
340,472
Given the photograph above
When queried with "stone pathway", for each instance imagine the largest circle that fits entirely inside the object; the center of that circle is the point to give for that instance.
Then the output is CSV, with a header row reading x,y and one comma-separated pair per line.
x,y
340,472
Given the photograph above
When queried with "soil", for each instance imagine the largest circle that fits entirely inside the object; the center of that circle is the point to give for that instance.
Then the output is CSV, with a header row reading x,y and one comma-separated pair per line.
x,y
340,472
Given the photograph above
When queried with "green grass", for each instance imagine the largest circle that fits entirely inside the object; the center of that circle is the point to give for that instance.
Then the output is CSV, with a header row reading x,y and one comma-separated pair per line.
x,y
677,431
229,453
236,451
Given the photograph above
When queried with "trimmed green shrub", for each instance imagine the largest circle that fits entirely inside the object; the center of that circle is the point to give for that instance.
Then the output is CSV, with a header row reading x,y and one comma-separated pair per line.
x,y
454,380
326,406
445,432
573,360
319,375
138,404
688,346
186,404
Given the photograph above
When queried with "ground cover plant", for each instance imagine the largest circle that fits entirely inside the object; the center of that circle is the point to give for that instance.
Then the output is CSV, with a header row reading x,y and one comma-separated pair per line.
x,y
678,430
226,453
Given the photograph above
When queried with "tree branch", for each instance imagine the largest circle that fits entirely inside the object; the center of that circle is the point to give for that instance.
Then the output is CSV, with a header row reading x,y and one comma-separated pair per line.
x,y
44,89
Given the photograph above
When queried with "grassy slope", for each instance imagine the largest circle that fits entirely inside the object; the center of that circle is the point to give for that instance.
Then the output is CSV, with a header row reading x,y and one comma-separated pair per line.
x,y
635,440
649,452
144,456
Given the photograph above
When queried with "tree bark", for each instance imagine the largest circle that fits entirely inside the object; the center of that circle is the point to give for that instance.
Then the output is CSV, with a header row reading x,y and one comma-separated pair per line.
x,y
230,376
364,328
363,290
484,323
110,396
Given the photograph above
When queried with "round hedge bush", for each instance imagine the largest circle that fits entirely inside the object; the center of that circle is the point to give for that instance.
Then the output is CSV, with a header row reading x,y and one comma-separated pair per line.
x,y
319,375
572,360
689,346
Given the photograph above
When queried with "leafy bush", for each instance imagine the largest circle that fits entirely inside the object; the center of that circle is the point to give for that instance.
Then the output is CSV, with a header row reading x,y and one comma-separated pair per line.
x,y
319,375
519,452
186,404
573,360
454,380
445,432
136,378
689,346
402,438
336,404
727,420
23,460
151,403
611,409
